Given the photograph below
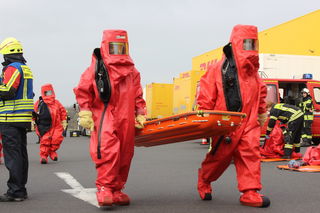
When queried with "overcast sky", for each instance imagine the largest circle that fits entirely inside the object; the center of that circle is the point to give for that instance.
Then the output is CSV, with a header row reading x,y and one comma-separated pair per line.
x,y
59,35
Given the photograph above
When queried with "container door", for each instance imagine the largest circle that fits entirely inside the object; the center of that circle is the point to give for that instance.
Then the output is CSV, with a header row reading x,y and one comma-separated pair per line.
x,y
272,92
272,96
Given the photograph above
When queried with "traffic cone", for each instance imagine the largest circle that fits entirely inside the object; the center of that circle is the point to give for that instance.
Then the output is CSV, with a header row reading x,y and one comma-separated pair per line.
x,y
204,141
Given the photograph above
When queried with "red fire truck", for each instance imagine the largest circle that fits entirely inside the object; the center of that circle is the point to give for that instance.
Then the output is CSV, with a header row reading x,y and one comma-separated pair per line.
x,y
288,91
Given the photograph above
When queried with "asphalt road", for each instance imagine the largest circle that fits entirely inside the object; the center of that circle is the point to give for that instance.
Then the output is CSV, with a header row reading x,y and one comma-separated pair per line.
x,y
162,179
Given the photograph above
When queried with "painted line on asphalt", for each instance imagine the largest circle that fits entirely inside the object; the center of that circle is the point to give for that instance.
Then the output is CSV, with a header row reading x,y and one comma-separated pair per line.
x,y
86,194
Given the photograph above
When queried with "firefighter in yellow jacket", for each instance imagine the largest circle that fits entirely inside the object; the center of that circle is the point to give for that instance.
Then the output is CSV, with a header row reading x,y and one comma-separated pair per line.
x,y
307,108
16,94
293,117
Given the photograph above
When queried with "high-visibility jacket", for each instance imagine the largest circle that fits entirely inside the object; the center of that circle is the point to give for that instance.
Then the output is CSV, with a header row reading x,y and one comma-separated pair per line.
x,y
307,108
19,108
285,113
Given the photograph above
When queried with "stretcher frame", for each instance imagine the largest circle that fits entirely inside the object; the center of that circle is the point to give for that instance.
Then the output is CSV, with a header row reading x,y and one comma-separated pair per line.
x,y
188,126
301,168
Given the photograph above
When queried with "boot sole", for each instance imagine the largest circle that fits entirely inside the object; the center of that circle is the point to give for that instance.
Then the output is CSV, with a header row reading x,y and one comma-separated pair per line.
x,y
265,203
106,202
207,196
122,203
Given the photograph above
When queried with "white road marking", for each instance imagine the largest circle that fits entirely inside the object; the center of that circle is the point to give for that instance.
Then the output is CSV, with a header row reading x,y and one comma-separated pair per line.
x,y
86,194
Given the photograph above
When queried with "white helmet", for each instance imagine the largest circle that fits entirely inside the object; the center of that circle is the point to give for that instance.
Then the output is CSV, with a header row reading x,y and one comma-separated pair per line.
x,y
305,90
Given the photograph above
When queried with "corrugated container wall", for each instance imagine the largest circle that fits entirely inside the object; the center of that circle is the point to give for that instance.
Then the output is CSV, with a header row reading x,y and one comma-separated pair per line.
x,y
184,91
159,100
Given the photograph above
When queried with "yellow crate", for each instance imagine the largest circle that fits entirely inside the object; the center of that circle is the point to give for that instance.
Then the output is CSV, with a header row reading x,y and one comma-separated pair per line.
x,y
184,91
159,100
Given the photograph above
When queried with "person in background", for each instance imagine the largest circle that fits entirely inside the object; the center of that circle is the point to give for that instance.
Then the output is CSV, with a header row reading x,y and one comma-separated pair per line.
x,y
109,95
16,94
51,120
233,84
307,108
293,117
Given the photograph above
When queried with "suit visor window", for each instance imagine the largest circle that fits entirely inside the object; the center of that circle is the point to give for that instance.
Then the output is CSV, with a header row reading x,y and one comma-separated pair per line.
x,y
48,93
118,48
250,44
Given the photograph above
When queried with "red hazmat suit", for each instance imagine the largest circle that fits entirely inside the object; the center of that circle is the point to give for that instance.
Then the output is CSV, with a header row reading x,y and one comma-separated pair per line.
x,y
312,156
50,115
233,84
113,112
0,151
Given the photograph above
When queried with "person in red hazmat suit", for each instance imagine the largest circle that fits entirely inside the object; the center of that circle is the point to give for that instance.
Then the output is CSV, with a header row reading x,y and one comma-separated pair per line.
x,y
51,120
0,152
109,95
233,84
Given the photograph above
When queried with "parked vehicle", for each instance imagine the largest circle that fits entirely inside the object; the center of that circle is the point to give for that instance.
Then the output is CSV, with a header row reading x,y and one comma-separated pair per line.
x,y
289,91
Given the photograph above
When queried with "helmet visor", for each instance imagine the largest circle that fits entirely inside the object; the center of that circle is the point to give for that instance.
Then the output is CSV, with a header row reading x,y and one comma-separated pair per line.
x,y
48,93
250,44
118,48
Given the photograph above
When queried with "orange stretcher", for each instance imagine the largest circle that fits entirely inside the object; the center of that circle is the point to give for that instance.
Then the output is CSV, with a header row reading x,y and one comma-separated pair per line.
x,y
187,126
301,168
277,159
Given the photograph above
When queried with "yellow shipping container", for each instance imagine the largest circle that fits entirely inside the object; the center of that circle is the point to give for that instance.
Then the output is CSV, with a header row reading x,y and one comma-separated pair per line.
x,y
296,37
184,91
159,100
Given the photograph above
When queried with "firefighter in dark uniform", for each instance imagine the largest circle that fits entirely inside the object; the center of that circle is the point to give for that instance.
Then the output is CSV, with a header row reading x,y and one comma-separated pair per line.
x,y
307,108
16,106
293,117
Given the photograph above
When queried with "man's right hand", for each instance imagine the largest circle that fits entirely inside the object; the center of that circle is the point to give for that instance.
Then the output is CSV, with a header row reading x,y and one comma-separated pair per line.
x,y
85,120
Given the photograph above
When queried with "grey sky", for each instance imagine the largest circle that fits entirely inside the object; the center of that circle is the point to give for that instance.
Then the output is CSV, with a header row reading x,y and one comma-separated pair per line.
x,y
60,35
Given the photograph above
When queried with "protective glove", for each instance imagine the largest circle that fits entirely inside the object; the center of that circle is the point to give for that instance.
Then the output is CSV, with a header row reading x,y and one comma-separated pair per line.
x,y
200,113
262,118
85,120
140,119
64,124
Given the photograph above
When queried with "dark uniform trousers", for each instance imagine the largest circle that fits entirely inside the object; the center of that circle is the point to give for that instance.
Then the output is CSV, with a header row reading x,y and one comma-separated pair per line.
x,y
14,140
294,128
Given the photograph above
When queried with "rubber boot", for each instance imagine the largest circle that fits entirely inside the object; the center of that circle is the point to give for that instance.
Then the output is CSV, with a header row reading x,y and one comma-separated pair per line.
x,y
121,198
54,156
254,199
287,153
295,155
296,150
306,143
43,160
105,197
204,188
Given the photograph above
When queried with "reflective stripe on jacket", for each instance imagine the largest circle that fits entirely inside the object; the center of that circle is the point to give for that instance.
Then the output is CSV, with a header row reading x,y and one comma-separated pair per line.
x,y
307,108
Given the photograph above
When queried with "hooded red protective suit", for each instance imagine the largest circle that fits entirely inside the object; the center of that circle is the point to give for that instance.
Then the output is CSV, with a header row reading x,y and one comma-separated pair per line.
x,y
312,156
244,145
0,152
112,141
51,114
